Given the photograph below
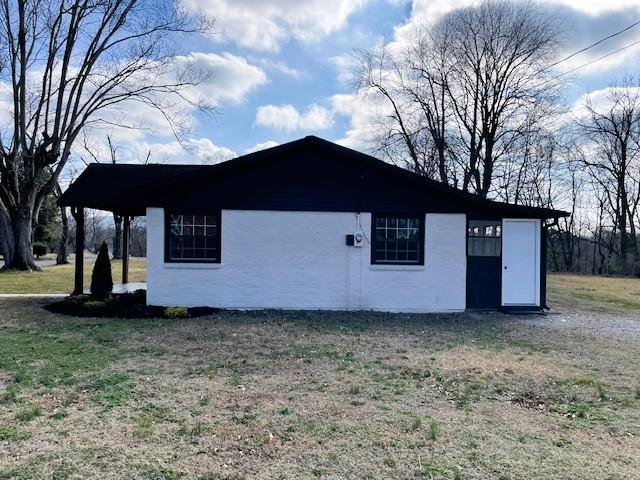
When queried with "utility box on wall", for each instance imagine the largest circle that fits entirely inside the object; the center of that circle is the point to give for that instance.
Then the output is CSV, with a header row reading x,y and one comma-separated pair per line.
x,y
355,240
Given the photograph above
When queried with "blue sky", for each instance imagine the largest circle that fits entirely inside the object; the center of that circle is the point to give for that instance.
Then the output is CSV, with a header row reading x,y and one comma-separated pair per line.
x,y
281,68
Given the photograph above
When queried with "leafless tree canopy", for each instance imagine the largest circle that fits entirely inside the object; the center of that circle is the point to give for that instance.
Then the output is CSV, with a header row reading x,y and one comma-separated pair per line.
x,y
467,93
73,64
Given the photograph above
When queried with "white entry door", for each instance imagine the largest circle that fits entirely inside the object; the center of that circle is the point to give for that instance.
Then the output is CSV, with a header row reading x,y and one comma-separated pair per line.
x,y
520,262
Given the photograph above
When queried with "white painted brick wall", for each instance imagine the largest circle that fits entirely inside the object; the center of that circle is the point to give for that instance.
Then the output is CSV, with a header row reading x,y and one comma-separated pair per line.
x,y
299,260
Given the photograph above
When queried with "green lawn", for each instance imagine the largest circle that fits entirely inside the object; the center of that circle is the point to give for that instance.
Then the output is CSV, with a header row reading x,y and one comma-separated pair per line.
x,y
59,278
305,395
600,293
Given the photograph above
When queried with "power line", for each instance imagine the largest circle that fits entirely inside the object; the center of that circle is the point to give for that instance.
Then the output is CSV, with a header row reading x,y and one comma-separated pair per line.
x,y
589,47
579,67
599,58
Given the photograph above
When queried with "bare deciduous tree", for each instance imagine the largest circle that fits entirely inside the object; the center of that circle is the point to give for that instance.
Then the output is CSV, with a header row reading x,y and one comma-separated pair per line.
x,y
70,64
465,91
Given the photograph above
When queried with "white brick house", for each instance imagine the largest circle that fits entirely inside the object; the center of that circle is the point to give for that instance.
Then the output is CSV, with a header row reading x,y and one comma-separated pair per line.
x,y
312,225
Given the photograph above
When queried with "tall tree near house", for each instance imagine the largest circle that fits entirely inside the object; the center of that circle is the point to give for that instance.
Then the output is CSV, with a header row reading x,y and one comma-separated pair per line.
x,y
466,89
498,81
612,131
71,64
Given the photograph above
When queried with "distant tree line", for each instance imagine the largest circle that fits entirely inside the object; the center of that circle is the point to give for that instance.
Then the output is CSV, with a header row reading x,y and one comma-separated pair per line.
x,y
99,227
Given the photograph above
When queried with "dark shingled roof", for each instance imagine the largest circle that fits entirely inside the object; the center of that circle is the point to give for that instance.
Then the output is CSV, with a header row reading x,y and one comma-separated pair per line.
x,y
128,189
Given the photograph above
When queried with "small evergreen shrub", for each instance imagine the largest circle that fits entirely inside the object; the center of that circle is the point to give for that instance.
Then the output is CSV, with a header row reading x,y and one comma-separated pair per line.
x,y
176,312
40,249
101,279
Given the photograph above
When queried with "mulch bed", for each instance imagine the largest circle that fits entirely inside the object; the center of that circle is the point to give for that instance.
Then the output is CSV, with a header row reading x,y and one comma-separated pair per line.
x,y
126,305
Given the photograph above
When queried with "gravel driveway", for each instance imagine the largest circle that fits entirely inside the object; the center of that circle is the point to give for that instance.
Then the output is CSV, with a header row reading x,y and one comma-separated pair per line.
x,y
608,324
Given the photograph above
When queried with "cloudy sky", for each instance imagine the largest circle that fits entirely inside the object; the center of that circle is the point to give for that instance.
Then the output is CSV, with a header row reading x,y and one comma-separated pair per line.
x,y
281,67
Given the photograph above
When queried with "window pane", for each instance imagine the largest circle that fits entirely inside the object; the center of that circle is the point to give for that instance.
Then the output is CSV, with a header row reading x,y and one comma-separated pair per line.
x,y
210,219
192,237
484,246
484,238
397,240
176,224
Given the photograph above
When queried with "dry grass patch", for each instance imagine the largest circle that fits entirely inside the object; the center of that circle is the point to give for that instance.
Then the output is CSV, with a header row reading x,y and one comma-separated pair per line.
x,y
288,395
488,364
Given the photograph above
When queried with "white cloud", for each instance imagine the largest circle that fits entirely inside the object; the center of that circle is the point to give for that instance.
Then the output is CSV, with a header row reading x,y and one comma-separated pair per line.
x,y
278,66
583,23
262,146
132,125
233,77
365,114
600,100
265,25
427,12
345,65
596,7
287,117
195,150
190,151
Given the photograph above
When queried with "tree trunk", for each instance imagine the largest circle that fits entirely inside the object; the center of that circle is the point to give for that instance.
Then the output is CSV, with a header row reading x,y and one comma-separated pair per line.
x,y
6,236
22,232
117,237
61,258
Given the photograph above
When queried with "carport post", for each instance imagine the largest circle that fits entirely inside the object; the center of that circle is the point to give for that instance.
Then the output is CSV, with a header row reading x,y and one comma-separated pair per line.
x,y
126,228
78,216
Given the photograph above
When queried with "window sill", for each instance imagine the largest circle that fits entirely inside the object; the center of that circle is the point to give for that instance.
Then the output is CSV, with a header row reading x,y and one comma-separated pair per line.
x,y
396,267
192,266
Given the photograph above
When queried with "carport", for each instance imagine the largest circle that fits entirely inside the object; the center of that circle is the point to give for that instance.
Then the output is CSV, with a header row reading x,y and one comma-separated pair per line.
x,y
117,189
